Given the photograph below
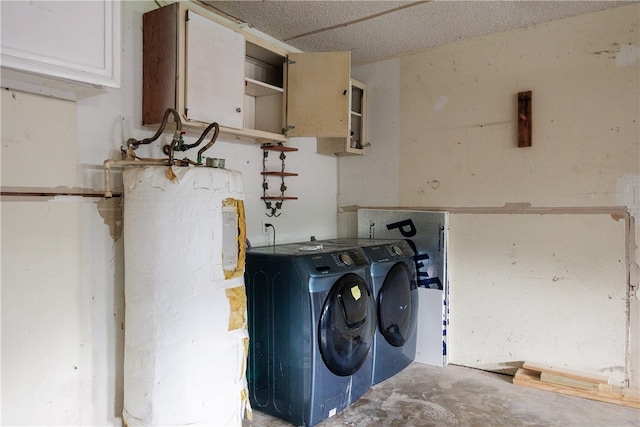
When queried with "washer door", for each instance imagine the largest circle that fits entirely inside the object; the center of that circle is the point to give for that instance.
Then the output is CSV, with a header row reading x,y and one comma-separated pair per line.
x,y
347,325
394,305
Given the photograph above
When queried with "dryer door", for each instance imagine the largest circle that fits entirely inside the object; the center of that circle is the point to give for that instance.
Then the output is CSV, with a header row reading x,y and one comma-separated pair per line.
x,y
394,305
347,325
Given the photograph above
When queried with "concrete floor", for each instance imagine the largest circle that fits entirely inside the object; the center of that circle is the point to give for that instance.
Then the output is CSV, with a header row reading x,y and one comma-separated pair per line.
x,y
424,395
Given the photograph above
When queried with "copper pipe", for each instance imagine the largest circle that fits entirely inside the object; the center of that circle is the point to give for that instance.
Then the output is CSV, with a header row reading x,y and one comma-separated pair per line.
x,y
133,143
213,139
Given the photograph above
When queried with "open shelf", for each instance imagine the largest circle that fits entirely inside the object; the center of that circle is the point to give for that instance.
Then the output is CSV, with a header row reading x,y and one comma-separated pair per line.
x,y
279,173
258,88
269,147
278,198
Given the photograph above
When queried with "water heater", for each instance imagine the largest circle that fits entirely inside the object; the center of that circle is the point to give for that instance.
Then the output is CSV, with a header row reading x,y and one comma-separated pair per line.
x,y
186,336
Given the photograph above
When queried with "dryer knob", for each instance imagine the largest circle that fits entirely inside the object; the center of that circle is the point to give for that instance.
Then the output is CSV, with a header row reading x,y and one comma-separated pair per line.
x,y
396,250
346,259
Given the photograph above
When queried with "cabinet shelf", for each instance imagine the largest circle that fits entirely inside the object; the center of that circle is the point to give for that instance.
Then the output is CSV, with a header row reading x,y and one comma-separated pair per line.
x,y
250,135
258,88
279,173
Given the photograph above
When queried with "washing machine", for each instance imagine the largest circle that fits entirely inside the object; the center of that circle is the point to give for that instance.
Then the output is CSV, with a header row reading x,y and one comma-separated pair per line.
x,y
312,321
394,284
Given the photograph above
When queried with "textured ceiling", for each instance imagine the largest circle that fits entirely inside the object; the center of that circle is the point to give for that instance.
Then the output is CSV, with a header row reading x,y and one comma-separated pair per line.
x,y
377,30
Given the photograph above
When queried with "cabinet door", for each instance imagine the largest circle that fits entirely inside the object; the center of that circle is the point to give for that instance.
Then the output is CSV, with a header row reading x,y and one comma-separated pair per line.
x,y
214,65
77,42
318,87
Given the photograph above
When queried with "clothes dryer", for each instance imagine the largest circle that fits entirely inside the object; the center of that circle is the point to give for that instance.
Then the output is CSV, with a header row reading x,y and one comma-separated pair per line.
x,y
394,284
312,321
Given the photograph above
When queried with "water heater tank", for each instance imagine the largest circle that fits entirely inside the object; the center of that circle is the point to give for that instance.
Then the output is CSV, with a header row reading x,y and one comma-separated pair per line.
x,y
186,336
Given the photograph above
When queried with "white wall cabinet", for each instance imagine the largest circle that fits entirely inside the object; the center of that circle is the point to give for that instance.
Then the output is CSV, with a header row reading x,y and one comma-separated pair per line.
x,y
254,89
73,52
210,72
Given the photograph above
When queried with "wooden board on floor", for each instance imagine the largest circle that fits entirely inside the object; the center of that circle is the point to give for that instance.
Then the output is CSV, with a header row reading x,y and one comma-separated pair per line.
x,y
605,393
565,373
547,377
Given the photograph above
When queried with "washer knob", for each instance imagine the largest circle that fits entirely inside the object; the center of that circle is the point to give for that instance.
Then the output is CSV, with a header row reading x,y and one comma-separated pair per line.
x,y
346,259
396,249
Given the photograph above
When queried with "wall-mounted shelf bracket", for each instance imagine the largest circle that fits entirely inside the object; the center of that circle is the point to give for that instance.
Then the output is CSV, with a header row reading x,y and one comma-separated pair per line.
x,y
274,203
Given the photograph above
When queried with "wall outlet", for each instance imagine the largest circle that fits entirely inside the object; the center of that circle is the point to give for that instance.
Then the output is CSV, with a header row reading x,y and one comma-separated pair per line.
x,y
265,229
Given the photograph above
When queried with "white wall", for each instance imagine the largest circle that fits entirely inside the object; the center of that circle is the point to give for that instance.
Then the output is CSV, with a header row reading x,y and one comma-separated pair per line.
x,y
459,103
457,147
378,168
62,271
536,288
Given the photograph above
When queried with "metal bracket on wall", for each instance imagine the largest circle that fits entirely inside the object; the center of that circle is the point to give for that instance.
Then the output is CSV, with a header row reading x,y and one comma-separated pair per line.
x,y
274,203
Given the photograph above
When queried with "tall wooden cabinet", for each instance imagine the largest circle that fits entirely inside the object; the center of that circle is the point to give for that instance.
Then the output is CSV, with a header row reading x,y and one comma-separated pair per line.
x,y
209,71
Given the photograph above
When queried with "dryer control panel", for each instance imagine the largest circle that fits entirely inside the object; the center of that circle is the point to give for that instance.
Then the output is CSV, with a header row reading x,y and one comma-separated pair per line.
x,y
341,261
389,251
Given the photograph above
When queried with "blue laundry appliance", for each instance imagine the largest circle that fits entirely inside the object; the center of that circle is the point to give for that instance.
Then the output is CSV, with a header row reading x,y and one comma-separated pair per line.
x,y
312,322
394,284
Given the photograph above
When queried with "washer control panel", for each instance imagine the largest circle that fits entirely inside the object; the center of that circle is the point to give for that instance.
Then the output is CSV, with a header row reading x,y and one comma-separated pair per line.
x,y
349,257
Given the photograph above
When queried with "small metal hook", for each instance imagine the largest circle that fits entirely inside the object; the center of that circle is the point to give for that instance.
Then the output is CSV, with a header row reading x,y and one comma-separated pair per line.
x,y
273,213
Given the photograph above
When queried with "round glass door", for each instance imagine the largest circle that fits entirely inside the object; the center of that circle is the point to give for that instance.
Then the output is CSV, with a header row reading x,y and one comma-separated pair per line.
x,y
347,325
394,305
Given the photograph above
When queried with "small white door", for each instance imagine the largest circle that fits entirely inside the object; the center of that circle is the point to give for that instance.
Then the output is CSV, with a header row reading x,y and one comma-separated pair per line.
x,y
214,67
